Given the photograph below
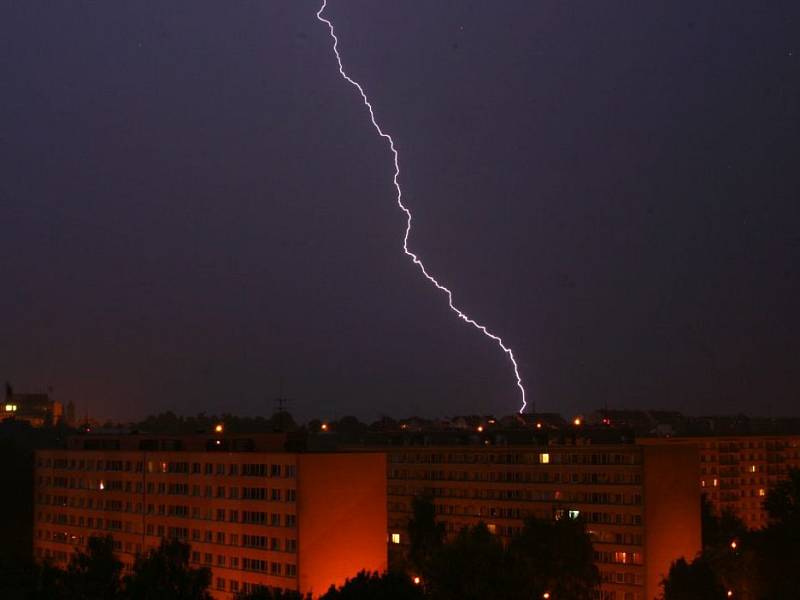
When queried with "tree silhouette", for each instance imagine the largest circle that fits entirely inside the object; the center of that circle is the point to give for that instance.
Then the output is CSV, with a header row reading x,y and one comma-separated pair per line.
x,y
164,574
693,581
94,573
425,535
554,556
373,586
471,567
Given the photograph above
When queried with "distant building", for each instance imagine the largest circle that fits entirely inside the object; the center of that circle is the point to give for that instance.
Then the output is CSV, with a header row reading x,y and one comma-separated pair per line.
x,y
37,409
256,509
641,504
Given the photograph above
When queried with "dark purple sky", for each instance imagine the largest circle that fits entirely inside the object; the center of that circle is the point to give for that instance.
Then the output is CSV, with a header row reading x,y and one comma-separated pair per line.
x,y
193,203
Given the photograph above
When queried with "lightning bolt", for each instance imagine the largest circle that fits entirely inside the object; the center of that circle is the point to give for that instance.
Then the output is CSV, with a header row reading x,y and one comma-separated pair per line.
x,y
415,259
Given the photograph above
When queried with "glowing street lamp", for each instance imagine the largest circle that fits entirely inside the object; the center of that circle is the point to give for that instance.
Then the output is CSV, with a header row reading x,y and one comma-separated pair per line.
x,y
417,580
546,595
219,428
324,427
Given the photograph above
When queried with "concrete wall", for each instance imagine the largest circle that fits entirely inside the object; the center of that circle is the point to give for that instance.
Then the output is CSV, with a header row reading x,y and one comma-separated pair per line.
x,y
672,510
341,518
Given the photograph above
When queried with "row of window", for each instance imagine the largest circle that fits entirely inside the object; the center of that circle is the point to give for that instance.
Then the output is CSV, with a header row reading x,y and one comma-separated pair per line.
x,y
194,468
275,568
231,516
619,557
518,458
172,489
271,544
537,476
527,495
622,578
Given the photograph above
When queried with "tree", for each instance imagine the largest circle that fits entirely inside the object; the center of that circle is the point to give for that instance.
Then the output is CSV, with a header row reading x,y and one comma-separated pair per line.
x,y
718,531
425,535
471,567
94,574
265,593
693,581
373,586
783,502
554,556
776,549
164,574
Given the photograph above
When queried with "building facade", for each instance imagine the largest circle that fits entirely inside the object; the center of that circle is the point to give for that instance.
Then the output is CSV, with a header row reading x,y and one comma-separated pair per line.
x,y
253,512
641,504
736,472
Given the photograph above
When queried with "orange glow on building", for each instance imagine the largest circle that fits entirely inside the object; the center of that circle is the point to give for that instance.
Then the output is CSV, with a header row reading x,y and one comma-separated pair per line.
x,y
253,513
735,471
641,504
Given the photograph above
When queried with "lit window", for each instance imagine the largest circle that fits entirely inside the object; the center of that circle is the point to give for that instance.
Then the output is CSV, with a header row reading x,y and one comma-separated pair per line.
x,y
11,407
762,492
102,485
491,527
544,458
715,482
752,468
395,538
574,514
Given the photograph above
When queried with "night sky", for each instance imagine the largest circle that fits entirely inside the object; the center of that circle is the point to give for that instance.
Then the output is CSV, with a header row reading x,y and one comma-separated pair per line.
x,y
194,204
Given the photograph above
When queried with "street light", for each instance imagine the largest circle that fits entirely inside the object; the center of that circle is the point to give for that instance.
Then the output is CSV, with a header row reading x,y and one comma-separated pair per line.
x,y
546,595
219,427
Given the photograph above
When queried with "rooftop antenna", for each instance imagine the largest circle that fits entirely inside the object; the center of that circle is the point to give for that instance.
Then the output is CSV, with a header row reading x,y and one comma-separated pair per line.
x,y
280,403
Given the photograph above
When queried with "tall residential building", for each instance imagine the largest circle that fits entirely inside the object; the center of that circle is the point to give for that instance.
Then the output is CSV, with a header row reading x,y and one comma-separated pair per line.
x,y
641,504
736,471
254,511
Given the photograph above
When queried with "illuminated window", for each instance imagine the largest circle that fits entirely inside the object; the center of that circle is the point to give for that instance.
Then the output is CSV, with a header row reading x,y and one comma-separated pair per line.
x,y
752,468
574,514
715,482
491,527
11,407
544,458
395,538
762,492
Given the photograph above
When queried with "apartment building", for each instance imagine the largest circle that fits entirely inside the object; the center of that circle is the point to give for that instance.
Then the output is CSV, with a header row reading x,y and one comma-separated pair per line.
x,y
254,512
735,472
641,504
